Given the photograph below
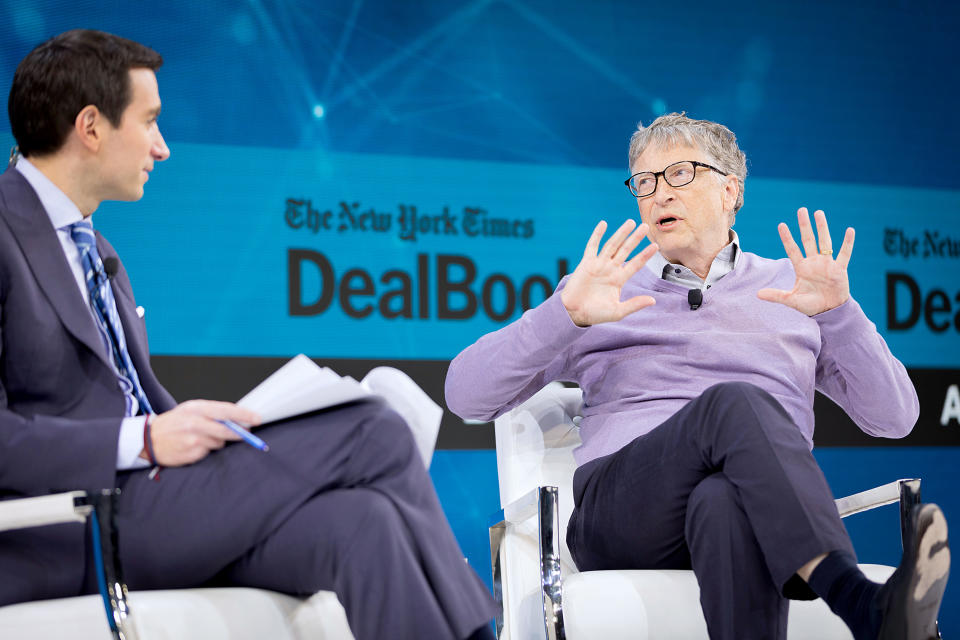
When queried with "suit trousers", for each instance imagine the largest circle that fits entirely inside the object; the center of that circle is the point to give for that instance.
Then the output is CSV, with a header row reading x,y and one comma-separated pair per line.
x,y
727,486
341,502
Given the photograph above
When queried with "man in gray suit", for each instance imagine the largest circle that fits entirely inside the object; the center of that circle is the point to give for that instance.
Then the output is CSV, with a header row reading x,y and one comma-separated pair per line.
x,y
341,501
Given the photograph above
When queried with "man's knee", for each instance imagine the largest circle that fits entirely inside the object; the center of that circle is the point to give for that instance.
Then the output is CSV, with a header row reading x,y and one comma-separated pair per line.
x,y
338,532
743,406
385,430
379,529
715,517
382,517
714,495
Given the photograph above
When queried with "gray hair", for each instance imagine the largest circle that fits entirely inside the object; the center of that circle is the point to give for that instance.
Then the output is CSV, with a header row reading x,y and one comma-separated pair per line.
x,y
715,140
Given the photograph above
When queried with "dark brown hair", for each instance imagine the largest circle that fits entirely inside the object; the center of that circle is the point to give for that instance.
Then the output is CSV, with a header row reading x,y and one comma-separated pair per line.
x,y
65,74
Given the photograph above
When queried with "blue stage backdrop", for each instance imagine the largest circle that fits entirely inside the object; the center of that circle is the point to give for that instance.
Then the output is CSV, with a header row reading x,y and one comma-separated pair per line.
x,y
370,182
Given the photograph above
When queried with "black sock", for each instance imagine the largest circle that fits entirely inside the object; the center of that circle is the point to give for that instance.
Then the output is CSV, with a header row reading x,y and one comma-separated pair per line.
x,y
849,593
483,633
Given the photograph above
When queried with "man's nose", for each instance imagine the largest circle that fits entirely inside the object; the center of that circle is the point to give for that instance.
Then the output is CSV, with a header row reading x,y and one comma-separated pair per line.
x,y
662,192
160,149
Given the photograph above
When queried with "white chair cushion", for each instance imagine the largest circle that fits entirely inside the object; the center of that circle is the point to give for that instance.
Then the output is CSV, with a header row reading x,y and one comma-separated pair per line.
x,y
645,605
185,614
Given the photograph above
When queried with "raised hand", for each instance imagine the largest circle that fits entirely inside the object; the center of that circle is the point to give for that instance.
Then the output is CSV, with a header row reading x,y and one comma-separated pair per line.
x,y
592,294
822,282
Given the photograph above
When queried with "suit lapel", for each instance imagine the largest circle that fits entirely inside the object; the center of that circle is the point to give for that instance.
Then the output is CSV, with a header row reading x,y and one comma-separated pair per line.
x,y
37,238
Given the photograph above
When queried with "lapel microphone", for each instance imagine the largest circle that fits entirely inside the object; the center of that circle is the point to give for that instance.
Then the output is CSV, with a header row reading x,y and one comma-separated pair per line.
x,y
110,266
695,298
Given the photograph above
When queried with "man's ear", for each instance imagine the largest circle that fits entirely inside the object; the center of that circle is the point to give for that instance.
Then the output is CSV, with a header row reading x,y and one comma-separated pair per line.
x,y
88,127
731,189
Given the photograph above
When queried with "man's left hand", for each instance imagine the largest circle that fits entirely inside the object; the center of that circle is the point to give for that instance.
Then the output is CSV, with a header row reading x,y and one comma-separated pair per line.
x,y
822,282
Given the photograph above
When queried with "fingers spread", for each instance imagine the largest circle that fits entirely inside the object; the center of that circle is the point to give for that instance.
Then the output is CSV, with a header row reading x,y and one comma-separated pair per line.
x,y
636,262
616,240
806,232
593,244
823,233
773,295
635,304
631,243
846,249
789,245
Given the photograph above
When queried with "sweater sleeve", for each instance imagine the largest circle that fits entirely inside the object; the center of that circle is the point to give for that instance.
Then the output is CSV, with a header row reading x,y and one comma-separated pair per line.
x,y
506,367
856,370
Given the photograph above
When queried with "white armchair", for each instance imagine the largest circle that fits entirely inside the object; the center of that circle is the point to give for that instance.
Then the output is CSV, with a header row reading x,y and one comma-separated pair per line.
x,y
542,593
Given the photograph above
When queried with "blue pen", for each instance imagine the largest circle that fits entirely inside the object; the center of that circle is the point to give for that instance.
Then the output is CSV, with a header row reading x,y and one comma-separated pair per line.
x,y
248,437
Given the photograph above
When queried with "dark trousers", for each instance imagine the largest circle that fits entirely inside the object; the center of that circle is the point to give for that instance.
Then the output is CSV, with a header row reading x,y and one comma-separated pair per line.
x,y
728,487
341,502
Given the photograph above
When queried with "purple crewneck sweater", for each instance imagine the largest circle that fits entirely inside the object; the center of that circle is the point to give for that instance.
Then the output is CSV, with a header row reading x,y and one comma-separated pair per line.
x,y
639,371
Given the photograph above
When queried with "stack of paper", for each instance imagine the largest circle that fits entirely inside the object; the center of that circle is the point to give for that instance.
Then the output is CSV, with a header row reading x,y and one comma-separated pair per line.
x,y
300,386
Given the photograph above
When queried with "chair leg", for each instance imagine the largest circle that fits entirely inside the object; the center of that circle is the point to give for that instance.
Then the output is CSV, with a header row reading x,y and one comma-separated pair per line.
x,y
497,533
542,503
107,560
550,578
909,498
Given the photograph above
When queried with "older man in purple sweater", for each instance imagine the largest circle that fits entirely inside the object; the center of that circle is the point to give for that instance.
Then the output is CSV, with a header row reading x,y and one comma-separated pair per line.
x,y
698,362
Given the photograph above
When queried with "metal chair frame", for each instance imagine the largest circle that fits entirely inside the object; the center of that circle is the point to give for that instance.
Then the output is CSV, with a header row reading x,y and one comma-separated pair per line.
x,y
541,503
97,509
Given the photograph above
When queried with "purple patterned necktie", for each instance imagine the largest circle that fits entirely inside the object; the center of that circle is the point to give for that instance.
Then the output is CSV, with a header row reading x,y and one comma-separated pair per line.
x,y
108,322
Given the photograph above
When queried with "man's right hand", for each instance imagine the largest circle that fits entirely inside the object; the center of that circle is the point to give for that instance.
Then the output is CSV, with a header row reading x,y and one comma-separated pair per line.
x,y
592,293
190,431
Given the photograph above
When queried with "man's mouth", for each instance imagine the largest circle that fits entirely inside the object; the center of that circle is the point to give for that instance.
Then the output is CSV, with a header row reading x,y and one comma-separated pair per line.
x,y
667,222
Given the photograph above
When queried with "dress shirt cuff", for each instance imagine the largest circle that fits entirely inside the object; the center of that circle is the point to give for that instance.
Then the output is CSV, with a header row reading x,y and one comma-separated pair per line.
x,y
131,444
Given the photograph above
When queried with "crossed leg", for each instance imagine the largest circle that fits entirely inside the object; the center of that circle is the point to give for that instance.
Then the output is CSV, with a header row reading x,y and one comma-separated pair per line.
x,y
342,500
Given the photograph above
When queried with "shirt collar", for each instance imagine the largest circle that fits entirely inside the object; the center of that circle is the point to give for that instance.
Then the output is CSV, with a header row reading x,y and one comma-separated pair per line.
x,y
729,254
61,209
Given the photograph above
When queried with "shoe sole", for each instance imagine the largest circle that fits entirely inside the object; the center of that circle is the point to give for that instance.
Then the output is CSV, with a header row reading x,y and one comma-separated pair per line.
x,y
919,582
930,579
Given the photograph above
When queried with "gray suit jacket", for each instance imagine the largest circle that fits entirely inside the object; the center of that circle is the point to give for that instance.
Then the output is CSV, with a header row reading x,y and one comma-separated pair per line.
x,y
60,405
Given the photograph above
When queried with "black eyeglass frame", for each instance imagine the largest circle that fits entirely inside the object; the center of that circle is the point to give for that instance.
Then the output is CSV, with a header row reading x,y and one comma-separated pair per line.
x,y
657,174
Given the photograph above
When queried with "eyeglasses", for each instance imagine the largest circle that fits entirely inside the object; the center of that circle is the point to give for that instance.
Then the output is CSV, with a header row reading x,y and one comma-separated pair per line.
x,y
677,174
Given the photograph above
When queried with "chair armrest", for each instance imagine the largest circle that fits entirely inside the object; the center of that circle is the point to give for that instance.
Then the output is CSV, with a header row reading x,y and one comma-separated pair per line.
x,y
906,491
871,498
58,508
521,509
78,506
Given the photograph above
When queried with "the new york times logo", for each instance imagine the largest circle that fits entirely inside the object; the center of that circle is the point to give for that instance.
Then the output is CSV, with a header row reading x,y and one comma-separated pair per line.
x,y
407,222
907,302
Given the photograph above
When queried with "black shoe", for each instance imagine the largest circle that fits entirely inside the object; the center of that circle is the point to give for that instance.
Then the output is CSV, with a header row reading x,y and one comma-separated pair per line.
x,y
910,599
